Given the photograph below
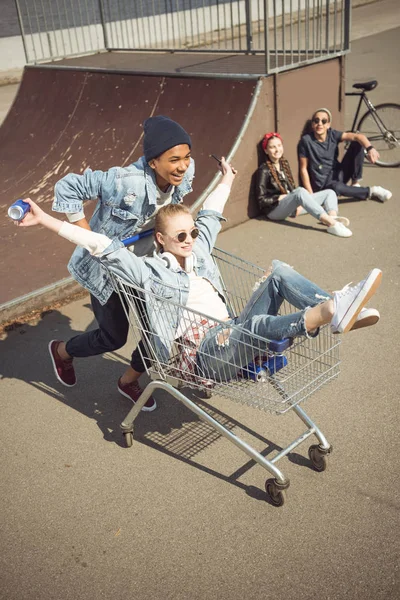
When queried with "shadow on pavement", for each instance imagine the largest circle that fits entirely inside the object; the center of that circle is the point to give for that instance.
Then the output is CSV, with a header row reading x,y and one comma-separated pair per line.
x,y
24,351
181,435
171,429
294,223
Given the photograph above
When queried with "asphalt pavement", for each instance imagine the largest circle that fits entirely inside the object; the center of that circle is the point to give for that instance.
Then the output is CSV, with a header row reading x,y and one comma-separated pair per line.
x,y
183,513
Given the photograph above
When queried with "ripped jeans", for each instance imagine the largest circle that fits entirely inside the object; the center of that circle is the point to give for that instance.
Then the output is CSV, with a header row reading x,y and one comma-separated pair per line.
x,y
220,361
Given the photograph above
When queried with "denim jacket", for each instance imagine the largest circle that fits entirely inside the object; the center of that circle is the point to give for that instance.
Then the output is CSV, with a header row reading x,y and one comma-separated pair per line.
x,y
127,198
167,289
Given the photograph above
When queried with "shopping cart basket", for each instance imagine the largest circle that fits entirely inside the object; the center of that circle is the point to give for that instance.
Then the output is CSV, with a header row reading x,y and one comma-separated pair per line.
x,y
271,375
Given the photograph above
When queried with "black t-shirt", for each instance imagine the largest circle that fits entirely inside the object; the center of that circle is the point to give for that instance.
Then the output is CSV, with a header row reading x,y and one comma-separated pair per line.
x,y
322,157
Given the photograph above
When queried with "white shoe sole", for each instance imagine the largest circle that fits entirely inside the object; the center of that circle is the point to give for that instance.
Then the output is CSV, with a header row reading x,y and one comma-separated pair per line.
x,y
145,408
55,368
365,322
369,288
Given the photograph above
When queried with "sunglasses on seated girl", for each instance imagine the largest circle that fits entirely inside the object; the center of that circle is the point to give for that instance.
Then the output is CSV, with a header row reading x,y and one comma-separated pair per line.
x,y
316,120
181,237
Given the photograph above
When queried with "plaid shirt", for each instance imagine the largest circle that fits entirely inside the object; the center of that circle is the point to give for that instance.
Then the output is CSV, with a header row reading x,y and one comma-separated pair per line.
x,y
188,345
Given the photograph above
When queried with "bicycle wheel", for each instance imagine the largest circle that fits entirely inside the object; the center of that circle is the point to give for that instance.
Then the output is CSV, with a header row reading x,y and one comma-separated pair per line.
x,y
382,128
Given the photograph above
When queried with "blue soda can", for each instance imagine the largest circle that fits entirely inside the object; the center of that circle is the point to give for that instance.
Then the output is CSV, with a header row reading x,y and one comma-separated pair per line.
x,y
18,210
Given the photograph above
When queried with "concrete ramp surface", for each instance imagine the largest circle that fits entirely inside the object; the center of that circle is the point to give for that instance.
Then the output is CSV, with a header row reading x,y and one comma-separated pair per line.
x,y
67,120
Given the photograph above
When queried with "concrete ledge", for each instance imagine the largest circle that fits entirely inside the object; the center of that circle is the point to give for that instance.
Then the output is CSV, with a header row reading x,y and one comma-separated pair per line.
x,y
26,307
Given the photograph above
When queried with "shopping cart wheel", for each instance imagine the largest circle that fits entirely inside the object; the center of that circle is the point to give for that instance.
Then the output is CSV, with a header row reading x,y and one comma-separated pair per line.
x,y
128,435
276,492
317,456
207,394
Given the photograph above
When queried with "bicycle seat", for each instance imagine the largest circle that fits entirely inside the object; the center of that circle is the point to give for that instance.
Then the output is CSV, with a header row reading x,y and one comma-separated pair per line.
x,y
367,86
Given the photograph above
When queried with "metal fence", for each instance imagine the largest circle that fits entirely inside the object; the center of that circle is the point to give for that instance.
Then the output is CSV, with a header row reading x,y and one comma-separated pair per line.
x,y
287,32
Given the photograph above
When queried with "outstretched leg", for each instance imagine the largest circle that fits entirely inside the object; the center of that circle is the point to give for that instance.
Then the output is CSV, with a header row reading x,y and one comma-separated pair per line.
x,y
321,205
254,327
283,283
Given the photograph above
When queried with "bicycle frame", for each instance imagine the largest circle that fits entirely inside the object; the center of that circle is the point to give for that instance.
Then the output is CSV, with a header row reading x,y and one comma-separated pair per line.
x,y
363,98
371,108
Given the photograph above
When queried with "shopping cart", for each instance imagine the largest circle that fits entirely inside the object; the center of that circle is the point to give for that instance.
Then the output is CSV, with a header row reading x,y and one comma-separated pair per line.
x,y
271,375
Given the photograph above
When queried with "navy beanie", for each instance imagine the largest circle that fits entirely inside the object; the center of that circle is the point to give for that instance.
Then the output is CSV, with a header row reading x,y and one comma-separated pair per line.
x,y
161,134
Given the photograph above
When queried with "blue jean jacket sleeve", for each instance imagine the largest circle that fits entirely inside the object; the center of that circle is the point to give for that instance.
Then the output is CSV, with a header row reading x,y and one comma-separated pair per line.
x,y
72,190
209,225
129,267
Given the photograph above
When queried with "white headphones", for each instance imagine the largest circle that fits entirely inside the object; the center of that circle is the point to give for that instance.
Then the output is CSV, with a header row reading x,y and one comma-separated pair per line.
x,y
172,263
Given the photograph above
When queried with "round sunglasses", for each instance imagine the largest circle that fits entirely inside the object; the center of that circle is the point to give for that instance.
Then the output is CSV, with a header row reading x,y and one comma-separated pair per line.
x,y
181,237
317,120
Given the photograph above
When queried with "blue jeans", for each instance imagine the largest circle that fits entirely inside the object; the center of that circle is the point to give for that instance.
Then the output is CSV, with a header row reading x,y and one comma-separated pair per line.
x,y
315,204
222,362
351,167
111,334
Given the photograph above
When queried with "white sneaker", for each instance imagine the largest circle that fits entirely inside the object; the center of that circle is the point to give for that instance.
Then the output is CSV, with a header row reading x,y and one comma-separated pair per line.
x,y
378,192
349,301
366,318
340,230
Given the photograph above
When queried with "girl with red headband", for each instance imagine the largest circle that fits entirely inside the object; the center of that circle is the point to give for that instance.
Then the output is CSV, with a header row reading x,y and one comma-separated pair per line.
x,y
278,197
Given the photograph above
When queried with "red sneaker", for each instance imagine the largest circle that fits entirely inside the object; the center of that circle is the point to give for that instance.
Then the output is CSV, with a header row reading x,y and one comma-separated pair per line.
x,y
63,369
133,391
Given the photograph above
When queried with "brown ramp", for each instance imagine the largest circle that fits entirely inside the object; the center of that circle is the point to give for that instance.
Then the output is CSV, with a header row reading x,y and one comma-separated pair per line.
x,y
66,120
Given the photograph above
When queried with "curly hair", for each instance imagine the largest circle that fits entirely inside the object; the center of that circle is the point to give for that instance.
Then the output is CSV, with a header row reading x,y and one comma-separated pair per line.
x,y
286,169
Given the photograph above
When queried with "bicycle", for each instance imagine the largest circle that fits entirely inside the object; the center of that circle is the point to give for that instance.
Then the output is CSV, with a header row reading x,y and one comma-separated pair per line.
x,y
381,125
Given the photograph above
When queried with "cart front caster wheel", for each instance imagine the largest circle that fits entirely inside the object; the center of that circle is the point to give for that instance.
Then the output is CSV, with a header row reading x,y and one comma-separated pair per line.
x,y
276,496
318,457
128,435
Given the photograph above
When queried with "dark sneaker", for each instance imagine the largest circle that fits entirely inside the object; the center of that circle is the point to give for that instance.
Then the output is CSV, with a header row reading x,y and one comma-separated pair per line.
x,y
63,369
133,391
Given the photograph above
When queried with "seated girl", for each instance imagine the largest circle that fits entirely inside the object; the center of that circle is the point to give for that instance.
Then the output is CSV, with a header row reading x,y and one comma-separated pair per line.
x,y
278,197
184,274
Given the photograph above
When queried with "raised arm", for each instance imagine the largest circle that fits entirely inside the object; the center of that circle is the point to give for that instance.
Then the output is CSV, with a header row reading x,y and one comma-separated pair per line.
x,y
95,243
112,253
209,218
217,199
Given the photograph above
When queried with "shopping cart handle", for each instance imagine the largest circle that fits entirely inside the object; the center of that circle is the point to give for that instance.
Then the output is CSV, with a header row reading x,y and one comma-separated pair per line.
x,y
135,238
280,345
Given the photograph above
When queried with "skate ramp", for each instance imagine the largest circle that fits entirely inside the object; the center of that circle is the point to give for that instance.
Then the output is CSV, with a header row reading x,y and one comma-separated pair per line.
x,y
65,120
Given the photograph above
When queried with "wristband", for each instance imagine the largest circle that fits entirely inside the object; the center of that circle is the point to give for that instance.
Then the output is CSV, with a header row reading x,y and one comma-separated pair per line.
x,y
369,148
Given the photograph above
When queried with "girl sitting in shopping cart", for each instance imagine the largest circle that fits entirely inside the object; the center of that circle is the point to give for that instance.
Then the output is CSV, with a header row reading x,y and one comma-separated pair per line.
x,y
184,296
